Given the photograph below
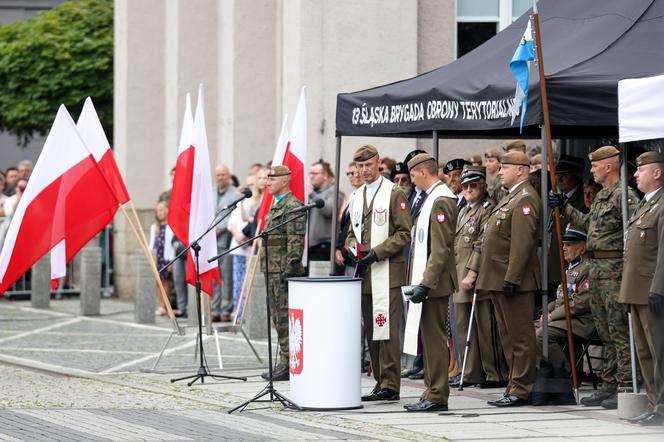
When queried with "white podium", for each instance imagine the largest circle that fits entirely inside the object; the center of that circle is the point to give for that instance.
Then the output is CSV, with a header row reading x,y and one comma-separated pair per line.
x,y
324,320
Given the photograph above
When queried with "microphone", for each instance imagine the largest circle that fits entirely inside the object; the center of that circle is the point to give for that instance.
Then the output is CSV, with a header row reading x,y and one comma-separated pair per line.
x,y
246,193
318,203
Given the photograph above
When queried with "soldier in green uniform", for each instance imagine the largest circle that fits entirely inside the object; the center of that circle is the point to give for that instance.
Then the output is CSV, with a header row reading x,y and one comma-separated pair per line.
x,y
494,187
286,246
380,228
505,264
578,284
486,364
605,239
643,282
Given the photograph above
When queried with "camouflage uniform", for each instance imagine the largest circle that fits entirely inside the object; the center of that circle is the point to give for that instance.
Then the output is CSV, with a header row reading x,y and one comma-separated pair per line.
x,y
605,244
494,189
286,245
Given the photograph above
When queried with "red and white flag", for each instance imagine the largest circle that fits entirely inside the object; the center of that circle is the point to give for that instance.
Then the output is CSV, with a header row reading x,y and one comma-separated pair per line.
x,y
94,138
277,159
192,203
67,201
295,156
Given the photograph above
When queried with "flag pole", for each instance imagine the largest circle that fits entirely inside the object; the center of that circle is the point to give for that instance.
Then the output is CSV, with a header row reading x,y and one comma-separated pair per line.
x,y
249,263
554,184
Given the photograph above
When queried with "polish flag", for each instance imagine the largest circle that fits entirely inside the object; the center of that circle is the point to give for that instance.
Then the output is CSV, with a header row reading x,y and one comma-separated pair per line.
x,y
192,203
295,156
277,159
67,198
92,133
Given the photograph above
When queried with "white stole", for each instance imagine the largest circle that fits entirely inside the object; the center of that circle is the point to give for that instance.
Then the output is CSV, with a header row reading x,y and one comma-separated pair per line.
x,y
380,271
419,257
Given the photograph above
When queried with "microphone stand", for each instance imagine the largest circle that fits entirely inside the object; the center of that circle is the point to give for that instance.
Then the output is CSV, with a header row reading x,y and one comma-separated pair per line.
x,y
203,370
269,388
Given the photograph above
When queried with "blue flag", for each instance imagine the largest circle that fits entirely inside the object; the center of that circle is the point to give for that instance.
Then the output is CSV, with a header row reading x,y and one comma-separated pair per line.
x,y
520,67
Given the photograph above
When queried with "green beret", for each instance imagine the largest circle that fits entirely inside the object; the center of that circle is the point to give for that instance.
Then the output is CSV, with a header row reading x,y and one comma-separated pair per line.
x,y
514,145
603,153
419,159
365,153
515,157
649,158
280,170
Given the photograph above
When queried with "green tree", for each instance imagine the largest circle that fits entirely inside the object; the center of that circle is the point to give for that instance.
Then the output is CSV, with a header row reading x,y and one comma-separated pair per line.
x,y
59,56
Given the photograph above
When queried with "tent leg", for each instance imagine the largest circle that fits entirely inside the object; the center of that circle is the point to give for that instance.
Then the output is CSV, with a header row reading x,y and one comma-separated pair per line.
x,y
335,218
436,153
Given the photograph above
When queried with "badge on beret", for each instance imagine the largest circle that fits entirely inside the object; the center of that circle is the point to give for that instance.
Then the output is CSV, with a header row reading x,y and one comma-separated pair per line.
x,y
440,217
525,210
402,205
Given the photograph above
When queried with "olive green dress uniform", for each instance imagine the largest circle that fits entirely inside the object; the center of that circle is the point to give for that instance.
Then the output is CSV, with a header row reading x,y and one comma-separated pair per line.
x,y
643,273
386,354
440,276
286,245
582,320
508,253
605,239
486,362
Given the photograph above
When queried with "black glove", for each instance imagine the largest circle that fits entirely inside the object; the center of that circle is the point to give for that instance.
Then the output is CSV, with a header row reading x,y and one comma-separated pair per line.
x,y
509,289
368,259
656,304
284,281
557,200
420,293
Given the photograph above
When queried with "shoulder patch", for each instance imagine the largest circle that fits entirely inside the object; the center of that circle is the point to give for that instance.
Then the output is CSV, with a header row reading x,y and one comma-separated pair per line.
x,y
526,209
440,217
402,205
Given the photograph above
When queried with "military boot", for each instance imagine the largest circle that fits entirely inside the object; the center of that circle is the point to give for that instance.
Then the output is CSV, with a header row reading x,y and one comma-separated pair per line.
x,y
597,398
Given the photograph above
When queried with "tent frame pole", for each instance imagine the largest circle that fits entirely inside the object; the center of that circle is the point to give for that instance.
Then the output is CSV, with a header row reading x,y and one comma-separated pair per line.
x,y
554,185
335,218
436,150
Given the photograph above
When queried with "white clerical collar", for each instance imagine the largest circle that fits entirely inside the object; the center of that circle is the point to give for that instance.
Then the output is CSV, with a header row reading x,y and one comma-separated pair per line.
x,y
430,189
513,188
651,194
375,184
571,192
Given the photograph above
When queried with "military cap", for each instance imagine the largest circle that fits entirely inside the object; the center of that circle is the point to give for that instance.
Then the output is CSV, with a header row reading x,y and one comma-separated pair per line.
x,y
455,164
603,153
280,170
473,159
473,173
398,168
419,159
493,153
574,235
649,158
536,159
411,154
515,157
365,153
514,145
569,163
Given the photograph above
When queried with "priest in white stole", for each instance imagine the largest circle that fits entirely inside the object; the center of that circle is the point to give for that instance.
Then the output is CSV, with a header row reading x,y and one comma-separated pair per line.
x,y
380,228
433,278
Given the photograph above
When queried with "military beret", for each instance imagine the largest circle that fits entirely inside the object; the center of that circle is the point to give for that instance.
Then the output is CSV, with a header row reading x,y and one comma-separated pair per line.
x,y
536,159
514,145
603,153
473,173
574,235
398,168
419,159
455,164
280,170
365,153
493,153
475,159
569,163
649,158
411,154
515,157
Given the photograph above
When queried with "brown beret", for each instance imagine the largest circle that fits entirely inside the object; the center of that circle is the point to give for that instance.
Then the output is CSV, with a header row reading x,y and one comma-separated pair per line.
x,y
493,153
649,158
473,173
365,152
514,145
603,153
280,170
536,159
419,159
515,157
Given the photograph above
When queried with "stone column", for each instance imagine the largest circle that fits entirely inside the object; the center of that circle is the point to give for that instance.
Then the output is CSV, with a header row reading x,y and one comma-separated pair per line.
x,y
90,280
41,283
255,324
145,293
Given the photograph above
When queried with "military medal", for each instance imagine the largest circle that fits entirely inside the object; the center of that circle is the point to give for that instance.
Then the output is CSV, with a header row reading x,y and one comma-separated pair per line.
x,y
471,229
466,239
642,235
498,223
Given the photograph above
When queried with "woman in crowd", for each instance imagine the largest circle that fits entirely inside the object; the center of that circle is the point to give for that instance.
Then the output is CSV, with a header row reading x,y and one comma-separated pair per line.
x,y
161,237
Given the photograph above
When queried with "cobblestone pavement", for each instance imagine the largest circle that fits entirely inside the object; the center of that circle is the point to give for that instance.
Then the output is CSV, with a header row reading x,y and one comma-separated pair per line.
x,y
71,378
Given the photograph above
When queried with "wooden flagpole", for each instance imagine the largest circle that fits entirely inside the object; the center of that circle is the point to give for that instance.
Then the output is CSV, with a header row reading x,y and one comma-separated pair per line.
x,y
554,185
248,266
